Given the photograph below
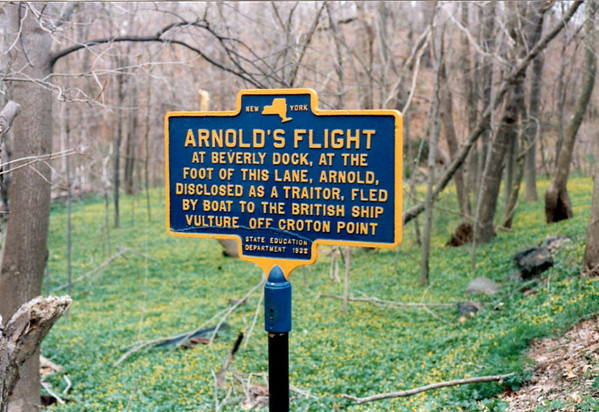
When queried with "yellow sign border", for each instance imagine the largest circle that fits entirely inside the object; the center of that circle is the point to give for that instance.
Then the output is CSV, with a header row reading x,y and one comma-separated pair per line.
x,y
288,265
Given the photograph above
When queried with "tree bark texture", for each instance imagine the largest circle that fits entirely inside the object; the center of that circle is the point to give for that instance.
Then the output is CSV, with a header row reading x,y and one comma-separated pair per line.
x,y
491,180
591,251
118,140
533,125
446,113
131,145
437,46
503,144
468,73
22,336
470,67
25,252
511,196
487,15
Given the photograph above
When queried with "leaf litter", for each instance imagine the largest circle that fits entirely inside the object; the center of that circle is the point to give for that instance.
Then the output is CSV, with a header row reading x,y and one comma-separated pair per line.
x,y
565,371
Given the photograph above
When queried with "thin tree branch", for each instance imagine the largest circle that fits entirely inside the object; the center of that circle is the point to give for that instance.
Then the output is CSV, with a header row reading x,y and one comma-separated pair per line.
x,y
30,160
309,36
378,301
104,264
235,306
158,38
185,336
420,389
67,12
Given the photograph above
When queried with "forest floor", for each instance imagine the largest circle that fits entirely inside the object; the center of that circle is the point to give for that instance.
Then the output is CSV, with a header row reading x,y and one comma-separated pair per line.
x,y
136,284
565,372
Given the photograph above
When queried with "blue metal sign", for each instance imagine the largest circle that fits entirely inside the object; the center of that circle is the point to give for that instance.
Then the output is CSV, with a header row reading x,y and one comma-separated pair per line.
x,y
283,176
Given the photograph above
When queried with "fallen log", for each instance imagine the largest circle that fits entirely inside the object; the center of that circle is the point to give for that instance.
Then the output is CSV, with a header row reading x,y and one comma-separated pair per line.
x,y
432,386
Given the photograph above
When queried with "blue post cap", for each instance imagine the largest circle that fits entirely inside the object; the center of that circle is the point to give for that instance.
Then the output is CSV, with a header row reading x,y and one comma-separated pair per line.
x,y
277,302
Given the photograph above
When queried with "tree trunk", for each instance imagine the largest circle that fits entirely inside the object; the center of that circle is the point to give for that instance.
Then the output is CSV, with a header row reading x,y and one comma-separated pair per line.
x,y
117,147
511,196
510,162
68,183
366,84
131,146
435,129
468,74
469,70
557,202
147,148
487,16
491,180
530,122
562,85
25,251
533,126
446,113
591,251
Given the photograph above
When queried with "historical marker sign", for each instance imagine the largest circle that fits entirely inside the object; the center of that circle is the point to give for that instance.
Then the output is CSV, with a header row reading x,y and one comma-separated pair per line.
x,y
282,176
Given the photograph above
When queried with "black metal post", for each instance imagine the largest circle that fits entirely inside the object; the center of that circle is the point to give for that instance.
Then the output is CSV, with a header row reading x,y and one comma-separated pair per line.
x,y
277,322
278,371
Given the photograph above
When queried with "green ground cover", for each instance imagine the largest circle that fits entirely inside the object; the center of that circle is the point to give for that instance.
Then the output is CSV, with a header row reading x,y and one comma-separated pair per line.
x,y
162,285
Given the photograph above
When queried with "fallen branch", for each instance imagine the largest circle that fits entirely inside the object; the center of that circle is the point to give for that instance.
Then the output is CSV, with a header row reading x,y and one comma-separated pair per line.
x,y
218,405
222,373
389,303
185,339
51,392
420,389
177,340
380,302
22,336
235,306
254,321
185,336
94,270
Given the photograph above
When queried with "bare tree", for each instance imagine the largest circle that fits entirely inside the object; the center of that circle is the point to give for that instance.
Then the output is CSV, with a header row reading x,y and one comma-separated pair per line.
x,y
533,121
503,148
487,39
491,181
116,146
435,130
446,113
131,143
557,202
485,116
469,64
